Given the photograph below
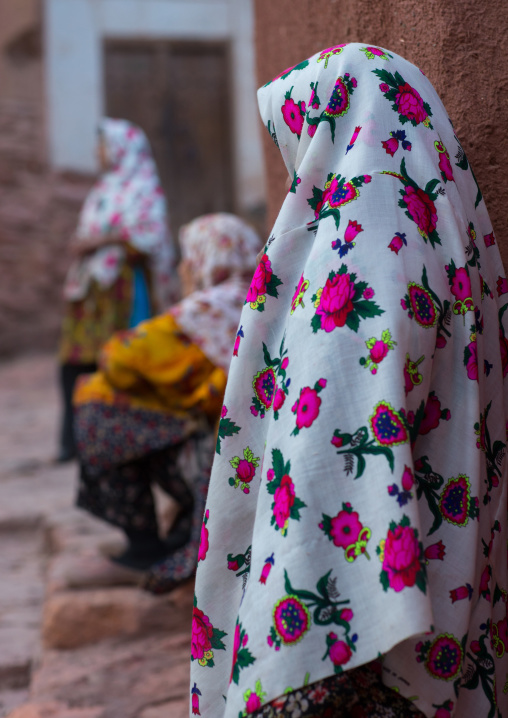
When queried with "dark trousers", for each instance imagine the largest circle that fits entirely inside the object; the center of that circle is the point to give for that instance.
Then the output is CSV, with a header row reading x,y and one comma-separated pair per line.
x,y
68,376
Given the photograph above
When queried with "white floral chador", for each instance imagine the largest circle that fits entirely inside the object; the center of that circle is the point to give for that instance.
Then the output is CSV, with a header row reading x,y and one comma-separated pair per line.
x,y
357,505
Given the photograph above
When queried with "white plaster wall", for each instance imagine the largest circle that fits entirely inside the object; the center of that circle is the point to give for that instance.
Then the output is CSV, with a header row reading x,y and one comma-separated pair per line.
x,y
74,31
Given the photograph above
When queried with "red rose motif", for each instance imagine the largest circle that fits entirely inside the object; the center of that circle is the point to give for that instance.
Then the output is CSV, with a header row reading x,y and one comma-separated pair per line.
x,y
202,632
245,470
379,351
284,499
262,277
253,703
445,166
410,103
421,208
401,557
336,302
340,653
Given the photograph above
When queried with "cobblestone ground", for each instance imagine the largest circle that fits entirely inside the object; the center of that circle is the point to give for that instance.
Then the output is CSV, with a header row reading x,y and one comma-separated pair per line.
x,y
89,653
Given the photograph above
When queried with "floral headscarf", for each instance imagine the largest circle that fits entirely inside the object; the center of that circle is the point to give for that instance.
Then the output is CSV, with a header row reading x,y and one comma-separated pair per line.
x,y
127,198
221,252
357,504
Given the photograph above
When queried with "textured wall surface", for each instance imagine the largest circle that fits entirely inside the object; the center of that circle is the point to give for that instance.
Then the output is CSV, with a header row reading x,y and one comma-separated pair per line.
x,y
459,45
38,208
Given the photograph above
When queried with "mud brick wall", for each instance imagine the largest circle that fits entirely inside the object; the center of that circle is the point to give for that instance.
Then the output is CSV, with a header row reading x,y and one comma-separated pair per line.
x,y
459,46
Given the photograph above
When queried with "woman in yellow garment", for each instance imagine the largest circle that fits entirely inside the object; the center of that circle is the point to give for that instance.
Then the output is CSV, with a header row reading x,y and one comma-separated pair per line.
x,y
148,416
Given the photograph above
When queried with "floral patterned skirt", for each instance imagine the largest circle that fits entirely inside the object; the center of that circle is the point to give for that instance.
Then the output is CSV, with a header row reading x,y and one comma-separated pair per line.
x,y
358,693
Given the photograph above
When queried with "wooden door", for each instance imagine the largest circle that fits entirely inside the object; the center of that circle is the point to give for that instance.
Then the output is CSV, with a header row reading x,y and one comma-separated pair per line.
x,y
179,94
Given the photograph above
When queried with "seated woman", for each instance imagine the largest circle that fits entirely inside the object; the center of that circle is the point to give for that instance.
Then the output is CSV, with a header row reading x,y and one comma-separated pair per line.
x,y
149,415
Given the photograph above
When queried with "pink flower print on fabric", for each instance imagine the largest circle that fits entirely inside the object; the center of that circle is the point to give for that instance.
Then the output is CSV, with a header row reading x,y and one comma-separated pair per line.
x,y
297,301
489,239
245,470
391,145
444,162
372,52
421,305
378,350
388,427
340,653
262,277
502,286
442,657
352,230
455,502
410,103
461,593
264,386
329,52
471,360
461,284
291,620
239,336
254,699
335,302
293,114
347,532
284,498
267,567
345,528
279,400
307,406
204,545
397,242
437,551
422,210
195,693
433,414
203,634
401,555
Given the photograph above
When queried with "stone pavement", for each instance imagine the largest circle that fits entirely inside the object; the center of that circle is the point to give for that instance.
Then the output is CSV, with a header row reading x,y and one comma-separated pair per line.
x,y
89,653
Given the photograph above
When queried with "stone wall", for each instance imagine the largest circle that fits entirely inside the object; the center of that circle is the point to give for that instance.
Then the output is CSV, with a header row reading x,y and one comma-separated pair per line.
x,y
38,209
459,45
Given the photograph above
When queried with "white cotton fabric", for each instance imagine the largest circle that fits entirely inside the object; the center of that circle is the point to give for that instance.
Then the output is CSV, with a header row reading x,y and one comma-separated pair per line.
x,y
127,199
419,365
221,251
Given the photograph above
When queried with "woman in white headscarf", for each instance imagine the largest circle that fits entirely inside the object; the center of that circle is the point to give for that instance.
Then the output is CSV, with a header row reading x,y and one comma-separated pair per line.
x,y
149,415
368,399
123,252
